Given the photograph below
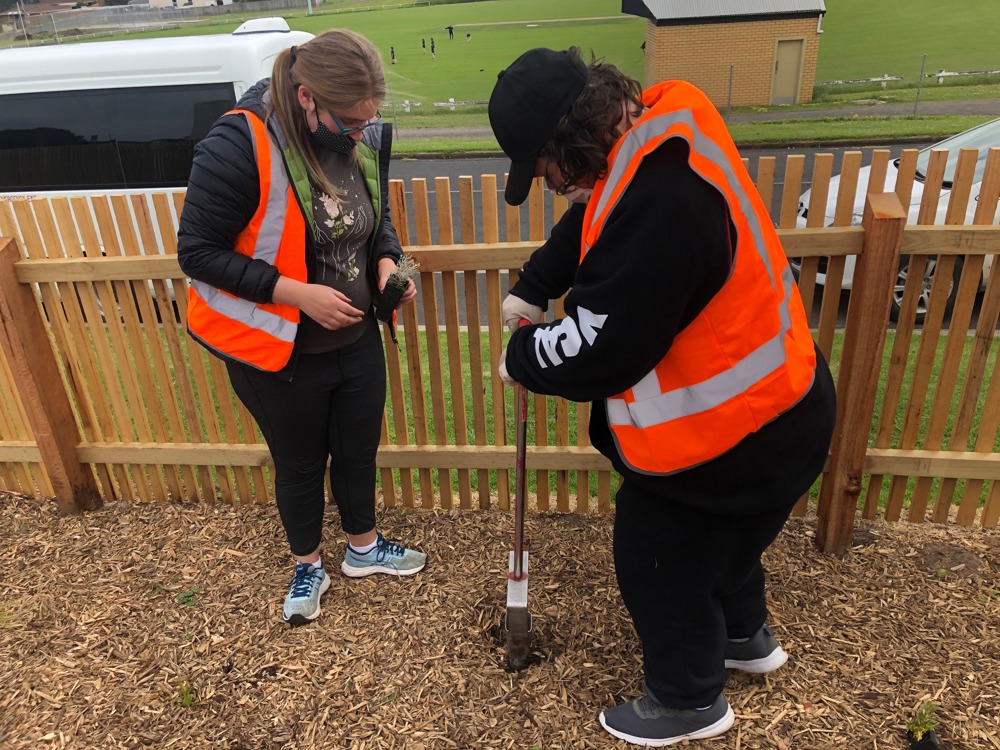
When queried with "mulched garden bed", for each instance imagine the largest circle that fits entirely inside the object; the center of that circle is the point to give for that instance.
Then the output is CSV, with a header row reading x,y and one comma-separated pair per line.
x,y
156,625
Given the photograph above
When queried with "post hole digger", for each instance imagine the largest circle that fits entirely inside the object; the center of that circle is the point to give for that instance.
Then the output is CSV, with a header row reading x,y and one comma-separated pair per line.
x,y
518,619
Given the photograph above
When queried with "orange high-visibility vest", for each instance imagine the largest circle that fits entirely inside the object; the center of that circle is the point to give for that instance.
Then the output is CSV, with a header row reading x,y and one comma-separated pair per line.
x,y
258,334
748,356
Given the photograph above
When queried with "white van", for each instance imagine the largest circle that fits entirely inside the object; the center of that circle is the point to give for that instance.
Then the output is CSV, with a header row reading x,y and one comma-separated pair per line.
x,y
123,116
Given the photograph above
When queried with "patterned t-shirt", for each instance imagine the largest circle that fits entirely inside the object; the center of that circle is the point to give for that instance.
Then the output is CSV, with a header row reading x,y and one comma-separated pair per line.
x,y
342,229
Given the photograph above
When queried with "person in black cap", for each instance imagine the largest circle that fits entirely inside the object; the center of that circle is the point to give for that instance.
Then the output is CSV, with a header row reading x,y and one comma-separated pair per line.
x,y
683,325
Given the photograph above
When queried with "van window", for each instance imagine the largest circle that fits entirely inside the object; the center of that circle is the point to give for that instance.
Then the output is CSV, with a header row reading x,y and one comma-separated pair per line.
x,y
105,139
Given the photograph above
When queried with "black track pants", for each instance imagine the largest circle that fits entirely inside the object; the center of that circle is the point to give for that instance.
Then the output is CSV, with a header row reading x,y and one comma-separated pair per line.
x,y
690,580
331,409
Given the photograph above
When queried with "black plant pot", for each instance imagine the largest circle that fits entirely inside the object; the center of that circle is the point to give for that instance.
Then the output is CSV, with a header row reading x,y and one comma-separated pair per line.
x,y
929,741
389,300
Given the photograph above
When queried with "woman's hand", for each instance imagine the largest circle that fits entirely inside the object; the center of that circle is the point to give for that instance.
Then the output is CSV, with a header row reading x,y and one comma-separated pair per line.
x,y
328,307
386,266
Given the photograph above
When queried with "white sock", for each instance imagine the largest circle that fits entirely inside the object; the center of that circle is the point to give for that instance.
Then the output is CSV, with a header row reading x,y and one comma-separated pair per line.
x,y
365,549
317,564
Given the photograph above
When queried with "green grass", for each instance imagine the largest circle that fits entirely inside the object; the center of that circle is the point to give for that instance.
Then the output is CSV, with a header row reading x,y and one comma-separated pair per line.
x,y
863,39
862,129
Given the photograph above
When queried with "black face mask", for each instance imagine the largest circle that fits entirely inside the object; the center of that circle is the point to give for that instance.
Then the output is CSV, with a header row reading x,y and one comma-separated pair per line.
x,y
325,138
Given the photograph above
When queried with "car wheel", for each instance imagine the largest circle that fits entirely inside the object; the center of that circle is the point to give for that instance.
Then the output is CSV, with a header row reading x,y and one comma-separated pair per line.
x,y
903,274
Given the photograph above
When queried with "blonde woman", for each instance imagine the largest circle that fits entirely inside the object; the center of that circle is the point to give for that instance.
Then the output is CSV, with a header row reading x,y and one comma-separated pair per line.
x,y
288,241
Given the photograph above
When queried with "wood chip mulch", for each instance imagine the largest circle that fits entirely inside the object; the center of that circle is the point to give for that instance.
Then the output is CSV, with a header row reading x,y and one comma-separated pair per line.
x,y
159,626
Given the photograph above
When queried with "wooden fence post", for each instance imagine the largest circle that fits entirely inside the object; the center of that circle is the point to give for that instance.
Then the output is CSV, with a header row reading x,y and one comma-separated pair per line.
x,y
25,342
860,365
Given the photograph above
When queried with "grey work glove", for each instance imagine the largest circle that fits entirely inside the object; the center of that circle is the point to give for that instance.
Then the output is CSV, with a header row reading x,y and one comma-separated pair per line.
x,y
502,369
515,309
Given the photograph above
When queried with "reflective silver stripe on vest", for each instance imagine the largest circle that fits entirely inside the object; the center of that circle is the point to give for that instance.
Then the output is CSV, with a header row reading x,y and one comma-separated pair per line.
x,y
246,312
265,248
652,407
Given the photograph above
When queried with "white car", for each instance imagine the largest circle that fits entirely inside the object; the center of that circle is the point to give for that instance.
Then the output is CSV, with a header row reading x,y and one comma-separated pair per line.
x,y
981,137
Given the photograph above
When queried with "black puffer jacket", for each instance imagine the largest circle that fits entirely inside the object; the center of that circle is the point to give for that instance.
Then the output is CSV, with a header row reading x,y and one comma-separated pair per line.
x,y
222,196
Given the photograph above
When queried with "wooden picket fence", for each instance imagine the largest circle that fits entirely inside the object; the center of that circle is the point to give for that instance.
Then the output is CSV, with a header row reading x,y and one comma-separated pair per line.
x,y
149,416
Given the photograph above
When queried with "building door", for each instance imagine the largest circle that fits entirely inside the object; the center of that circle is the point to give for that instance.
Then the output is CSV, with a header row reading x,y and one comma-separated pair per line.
x,y
787,71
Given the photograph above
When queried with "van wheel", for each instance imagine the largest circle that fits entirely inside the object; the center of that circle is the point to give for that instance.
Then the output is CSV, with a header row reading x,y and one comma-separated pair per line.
x,y
925,287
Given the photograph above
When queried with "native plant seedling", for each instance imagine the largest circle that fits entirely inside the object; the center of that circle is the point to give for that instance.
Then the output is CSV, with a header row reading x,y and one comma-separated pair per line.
x,y
395,286
188,598
186,696
920,728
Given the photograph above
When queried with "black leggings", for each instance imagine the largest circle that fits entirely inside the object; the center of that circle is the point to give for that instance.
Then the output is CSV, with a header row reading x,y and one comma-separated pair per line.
x,y
332,408
690,579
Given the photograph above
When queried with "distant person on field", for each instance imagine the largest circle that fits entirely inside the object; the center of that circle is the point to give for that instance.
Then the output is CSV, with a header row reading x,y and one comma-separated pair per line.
x,y
684,328
433,56
392,54
468,36
423,46
287,238
451,31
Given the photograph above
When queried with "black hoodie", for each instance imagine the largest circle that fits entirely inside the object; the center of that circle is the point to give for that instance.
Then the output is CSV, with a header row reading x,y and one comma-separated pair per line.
x,y
664,252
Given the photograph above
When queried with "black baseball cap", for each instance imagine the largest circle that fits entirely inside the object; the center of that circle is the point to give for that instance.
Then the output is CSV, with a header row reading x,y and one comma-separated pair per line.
x,y
530,98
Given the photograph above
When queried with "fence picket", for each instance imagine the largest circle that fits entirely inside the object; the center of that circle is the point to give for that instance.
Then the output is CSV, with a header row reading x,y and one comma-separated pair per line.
x,y
130,328
948,374
166,319
790,191
973,382
495,328
819,190
432,335
14,425
914,408
89,420
456,374
765,179
397,399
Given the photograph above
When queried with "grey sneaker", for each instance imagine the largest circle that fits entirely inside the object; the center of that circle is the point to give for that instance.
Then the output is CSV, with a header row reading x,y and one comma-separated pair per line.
x,y
645,721
302,602
386,557
760,655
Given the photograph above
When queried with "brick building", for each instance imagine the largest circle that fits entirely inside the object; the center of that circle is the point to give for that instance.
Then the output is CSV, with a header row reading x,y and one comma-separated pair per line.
x,y
740,52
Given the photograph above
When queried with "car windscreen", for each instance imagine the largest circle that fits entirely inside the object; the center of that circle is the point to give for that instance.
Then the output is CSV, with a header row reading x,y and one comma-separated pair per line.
x,y
983,138
105,139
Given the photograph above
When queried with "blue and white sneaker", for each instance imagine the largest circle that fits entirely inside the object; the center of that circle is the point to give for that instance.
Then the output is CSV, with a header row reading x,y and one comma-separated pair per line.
x,y
302,602
385,557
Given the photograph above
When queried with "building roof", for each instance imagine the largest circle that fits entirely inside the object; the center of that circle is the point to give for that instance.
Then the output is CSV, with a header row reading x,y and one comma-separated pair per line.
x,y
668,12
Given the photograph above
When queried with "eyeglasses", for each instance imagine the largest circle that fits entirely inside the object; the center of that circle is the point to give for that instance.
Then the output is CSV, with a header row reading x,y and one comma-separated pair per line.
x,y
560,189
564,188
367,124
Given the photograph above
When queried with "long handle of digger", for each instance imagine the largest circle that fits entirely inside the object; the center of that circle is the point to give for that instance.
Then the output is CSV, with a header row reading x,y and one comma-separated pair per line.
x,y
520,475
